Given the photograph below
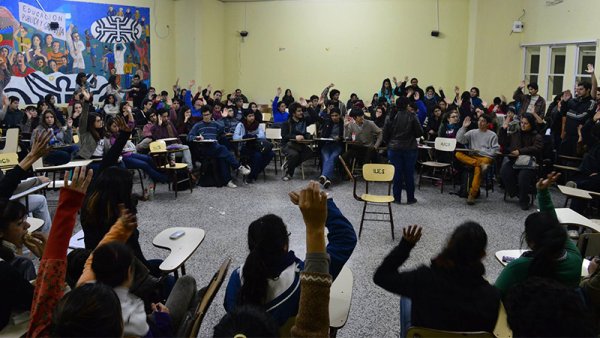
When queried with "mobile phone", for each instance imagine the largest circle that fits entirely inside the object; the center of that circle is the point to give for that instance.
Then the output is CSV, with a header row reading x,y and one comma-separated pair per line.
x,y
177,234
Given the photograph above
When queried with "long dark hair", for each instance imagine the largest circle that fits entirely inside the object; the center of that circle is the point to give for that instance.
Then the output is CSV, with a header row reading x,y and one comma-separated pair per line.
x,y
385,91
43,123
97,133
10,211
111,263
546,237
101,206
181,116
464,250
91,310
267,241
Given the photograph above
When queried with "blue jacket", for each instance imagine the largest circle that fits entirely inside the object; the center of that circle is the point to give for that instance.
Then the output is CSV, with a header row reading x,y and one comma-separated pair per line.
x,y
341,242
278,117
422,113
189,103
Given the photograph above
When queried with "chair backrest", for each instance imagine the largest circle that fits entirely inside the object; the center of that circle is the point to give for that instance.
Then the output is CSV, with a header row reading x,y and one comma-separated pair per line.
x,y
12,141
445,144
209,295
273,133
267,117
422,332
376,172
8,160
589,244
158,146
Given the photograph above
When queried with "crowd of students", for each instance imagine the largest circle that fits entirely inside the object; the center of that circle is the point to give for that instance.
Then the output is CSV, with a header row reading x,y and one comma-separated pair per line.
x,y
274,292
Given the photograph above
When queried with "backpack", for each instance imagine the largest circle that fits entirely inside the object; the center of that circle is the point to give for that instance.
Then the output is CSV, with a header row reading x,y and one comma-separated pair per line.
x,y
209,173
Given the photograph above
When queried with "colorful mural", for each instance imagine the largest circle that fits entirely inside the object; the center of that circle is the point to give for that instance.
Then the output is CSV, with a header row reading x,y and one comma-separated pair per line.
x,y
42,50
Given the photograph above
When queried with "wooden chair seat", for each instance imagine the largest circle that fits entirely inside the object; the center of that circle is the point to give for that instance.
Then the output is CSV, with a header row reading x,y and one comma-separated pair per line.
x,y
435,164
178,166
377,198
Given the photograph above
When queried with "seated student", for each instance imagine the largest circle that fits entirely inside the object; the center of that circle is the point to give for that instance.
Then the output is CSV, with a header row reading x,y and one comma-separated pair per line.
x,y
229,120
291,131
238,108
542,307
92,309
525,142
332,126
443,295
259,150
553,255
112,263
217,112
30,120
211,130
12,116
257,114
450,125
130,158
144,145
484,142
165,129
141,116
185,122
588,177
364,134
61,141
110,108
379,116
271,272
196,103
433,123
280,116
38,205
334,96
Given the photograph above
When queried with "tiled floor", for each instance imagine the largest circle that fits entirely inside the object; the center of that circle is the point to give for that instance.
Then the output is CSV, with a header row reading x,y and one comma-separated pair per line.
x,y
226,213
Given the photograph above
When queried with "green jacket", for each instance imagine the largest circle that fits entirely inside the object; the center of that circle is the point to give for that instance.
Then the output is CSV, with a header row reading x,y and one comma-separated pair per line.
x,y
568,270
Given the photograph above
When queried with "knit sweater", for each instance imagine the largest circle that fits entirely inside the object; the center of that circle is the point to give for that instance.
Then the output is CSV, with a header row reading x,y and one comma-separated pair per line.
x,y
209,130
485,142
568,269
368,135
53,267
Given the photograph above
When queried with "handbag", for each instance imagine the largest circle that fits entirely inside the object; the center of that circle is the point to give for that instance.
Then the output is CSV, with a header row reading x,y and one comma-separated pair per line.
x,y
525,162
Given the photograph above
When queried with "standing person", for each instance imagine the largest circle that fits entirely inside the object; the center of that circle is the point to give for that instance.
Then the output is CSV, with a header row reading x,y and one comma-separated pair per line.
x,y
366,137
334,96
288,98
452,288
386,91
575,112
400,134
532,102
484,144
138,91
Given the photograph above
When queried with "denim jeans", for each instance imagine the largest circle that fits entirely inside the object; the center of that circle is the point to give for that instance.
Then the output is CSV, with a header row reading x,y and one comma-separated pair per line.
x,y
61,155
258,160
405,315
144,162
329,153
404,162
225,158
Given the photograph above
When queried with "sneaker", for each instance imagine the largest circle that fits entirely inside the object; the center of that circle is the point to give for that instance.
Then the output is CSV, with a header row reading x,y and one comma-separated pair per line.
x,y
571,184
484,167
471,200
327,184
230,184
322,179
244,170
286,177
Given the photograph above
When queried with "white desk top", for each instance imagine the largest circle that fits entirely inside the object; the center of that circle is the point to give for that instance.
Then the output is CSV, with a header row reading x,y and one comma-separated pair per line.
x,y
34,224
181,248
76,241
18,329
66,166
574,192
518,253
29,191
340,297
569,216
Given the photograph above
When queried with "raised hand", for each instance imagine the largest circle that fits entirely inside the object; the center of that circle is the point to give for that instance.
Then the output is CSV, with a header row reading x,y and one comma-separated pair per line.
x,y
395,80
457,90
405,78
331,85
128,219
417,96
80,180
590,68
543,184
41,146
192,84
278,91
467,122
522,84
412,234
313,205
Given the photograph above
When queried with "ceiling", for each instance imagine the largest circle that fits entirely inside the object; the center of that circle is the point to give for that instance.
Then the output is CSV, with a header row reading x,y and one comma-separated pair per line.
x,y
246,0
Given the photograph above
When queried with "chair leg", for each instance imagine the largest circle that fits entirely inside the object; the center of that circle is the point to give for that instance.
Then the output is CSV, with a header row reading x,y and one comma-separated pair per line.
x,y
275,161
190,181
362,220
141,179
175,182
391,220
420,177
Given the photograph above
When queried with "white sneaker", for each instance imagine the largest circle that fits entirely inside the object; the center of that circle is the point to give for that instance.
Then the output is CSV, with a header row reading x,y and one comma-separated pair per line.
x,y
231,185
571,184
244,169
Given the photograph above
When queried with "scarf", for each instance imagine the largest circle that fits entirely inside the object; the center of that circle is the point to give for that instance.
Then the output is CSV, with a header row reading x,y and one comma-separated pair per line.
x,y
250,127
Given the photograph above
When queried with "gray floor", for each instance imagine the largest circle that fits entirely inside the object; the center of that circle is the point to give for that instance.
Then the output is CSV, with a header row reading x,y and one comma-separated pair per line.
x,y
226,213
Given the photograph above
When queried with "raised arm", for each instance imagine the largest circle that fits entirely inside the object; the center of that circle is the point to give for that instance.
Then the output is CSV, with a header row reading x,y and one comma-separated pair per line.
x,y
590,70
544,199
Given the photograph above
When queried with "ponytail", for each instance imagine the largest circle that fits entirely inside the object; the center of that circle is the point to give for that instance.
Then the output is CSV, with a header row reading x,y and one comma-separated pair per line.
x,y
267,241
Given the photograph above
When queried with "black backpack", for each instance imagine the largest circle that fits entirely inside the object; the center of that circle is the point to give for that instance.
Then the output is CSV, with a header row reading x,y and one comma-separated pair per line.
x,y
209,173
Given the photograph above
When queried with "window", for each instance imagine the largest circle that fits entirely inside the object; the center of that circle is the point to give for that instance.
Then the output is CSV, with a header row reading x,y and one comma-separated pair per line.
x,y
586,54
532,64
556,72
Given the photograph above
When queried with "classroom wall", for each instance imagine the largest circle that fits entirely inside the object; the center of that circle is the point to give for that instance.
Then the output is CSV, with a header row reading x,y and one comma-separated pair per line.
x,y
305,45
162,40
